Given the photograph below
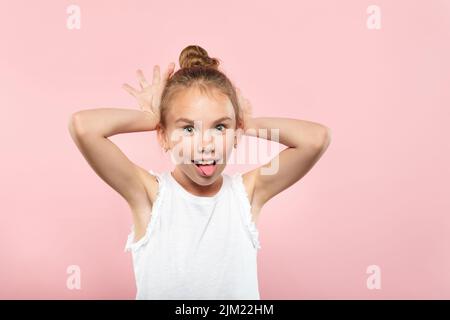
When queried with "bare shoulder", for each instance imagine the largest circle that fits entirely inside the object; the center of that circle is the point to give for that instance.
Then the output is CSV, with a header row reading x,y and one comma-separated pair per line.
x,y
249,180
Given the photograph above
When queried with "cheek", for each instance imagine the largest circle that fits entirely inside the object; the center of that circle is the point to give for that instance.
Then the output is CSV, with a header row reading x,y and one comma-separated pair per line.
x,y
223,143
226,147
182,149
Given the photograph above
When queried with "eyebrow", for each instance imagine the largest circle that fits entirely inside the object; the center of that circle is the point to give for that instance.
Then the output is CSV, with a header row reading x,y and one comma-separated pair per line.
x,y
192,121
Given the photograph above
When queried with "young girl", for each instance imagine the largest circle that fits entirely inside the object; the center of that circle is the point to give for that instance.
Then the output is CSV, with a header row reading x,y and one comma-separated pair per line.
x,y
194,232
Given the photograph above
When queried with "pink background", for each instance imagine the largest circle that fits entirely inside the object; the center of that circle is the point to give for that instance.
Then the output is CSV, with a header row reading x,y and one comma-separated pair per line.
x,y
378,196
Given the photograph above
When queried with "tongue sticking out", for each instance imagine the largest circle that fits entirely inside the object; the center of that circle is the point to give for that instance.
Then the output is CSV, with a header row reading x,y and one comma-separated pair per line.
x,y
207,170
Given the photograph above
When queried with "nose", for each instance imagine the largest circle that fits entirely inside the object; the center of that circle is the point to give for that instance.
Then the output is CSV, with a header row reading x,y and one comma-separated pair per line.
x,y
206,143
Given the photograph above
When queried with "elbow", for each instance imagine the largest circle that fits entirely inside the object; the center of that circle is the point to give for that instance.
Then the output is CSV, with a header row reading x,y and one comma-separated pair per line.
x,y
324,138
75,125
327,138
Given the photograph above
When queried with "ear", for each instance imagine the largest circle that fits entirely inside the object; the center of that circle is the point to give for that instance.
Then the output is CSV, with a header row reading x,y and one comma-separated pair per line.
x,y
240,124
238,134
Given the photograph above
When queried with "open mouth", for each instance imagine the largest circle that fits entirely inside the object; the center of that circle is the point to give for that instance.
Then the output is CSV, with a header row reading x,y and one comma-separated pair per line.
x,y
203,163
205,168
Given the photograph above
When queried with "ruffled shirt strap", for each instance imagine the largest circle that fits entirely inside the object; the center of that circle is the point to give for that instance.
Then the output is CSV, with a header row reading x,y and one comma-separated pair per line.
x,y
250,225
131,245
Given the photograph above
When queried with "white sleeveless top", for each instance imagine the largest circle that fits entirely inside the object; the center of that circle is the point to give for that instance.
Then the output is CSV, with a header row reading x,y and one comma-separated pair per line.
x,y
197,247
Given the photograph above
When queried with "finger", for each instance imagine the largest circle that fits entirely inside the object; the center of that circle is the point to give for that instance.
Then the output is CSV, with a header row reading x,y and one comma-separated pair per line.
x,y
130,89
156,75
239,93
169,71
249,108
142,81
240,97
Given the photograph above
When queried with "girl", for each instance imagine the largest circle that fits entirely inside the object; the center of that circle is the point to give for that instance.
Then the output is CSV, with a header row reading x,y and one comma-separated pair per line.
x,y
194,232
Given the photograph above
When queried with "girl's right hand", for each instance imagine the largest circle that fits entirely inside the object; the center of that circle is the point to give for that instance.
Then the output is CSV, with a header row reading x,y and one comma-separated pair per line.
x,y
245,107
149,97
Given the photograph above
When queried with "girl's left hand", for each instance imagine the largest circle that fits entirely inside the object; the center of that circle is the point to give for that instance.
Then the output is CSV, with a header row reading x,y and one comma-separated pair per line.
x,y
246,108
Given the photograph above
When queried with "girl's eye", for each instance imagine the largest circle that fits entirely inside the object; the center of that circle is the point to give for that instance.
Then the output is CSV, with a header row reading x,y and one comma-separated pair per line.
x,y
188,127
221,125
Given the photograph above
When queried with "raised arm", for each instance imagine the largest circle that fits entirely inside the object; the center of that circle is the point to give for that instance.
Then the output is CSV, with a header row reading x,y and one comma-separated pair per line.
x,y
306,142
90,130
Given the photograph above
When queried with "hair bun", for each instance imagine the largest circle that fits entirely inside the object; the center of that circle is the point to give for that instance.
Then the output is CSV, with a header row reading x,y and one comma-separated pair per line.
x,y
193,55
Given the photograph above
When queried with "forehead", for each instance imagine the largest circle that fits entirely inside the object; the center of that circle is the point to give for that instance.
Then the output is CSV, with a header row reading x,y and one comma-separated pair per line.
x,y
197,105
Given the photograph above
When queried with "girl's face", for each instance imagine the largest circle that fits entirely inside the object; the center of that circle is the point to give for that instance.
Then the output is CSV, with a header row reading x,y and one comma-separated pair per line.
x,y
200,133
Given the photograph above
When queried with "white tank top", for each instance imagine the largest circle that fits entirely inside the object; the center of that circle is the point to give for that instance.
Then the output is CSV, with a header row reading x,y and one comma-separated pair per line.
x,y
197,247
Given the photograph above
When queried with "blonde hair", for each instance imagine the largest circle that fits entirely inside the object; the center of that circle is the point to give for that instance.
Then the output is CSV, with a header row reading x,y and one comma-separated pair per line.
x,y
198,70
